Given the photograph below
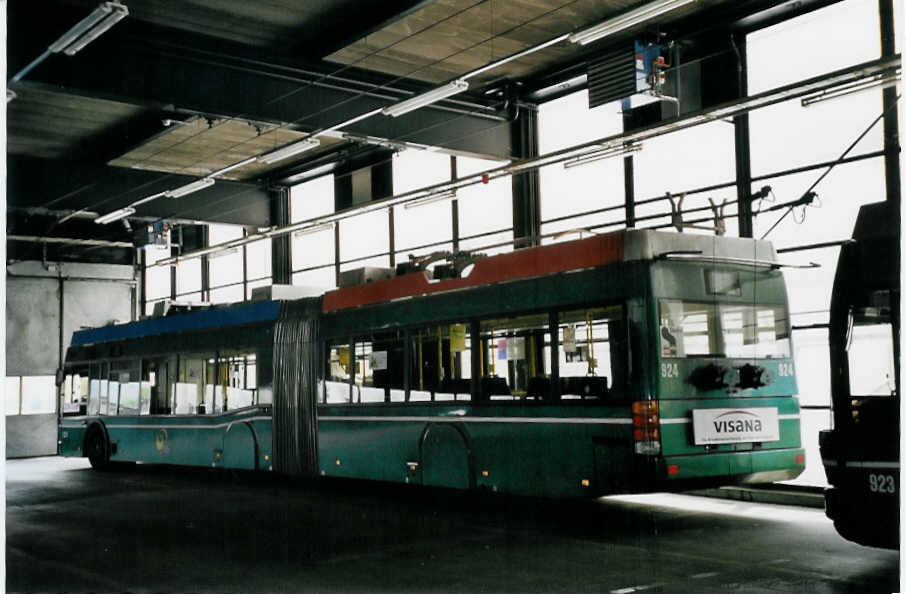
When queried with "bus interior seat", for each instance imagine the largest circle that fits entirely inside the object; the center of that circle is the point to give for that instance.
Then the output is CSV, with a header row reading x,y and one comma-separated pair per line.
x,y
456,385
494,386
539,387
592,386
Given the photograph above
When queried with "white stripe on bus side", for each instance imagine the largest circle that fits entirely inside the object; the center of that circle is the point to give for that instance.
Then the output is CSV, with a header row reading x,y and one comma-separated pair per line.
x,y
891,465
548,420
162,426
457,419
859,464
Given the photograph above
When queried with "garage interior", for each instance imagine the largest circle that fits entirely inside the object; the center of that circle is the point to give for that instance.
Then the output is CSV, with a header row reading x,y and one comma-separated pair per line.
x,y
196,153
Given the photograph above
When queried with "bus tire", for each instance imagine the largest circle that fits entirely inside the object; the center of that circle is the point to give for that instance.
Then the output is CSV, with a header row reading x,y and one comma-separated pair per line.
x,y
96,448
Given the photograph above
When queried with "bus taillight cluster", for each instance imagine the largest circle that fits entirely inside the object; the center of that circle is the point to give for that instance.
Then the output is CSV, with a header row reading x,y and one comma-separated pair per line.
x,y
646,432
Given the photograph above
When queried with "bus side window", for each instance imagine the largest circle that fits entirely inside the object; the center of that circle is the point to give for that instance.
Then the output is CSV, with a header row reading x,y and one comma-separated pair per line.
x,y
440,363
97,388
188,390
123,390
379,368
152,388
593,352
336,382
515,358
74,395
233,389
870,352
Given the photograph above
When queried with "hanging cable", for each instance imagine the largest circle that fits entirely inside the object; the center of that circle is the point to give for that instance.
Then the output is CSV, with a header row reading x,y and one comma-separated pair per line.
x,y
831,167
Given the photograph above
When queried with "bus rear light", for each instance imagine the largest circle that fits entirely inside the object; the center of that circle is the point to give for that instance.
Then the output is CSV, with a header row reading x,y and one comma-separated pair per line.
x,y
642,407
646,431
800,459
673,469
642,420
643,433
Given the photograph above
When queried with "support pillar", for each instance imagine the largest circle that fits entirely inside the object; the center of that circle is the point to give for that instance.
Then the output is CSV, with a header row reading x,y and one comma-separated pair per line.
x,y
281,250
629,190
526,190
891,117
205,265
742,146
454,205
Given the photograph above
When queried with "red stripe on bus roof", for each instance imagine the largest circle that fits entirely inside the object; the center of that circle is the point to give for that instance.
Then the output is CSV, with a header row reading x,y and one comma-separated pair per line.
x,y
519,264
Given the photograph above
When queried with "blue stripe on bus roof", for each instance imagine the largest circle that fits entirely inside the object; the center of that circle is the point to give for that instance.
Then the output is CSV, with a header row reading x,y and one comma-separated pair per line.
x,y
247,313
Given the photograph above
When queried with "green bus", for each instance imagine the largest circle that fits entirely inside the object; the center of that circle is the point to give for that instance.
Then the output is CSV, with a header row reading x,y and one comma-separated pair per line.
x,y
627,362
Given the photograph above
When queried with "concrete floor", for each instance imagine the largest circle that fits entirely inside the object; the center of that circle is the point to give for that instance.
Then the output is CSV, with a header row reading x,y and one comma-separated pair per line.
x,y
71,529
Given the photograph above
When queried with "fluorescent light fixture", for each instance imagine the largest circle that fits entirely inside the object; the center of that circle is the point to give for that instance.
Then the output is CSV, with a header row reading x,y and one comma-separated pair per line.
x,y
90,28
314,229
451,195
432,96
10,95
607,153
116,215
224,252
640,15
878,82
289,150
190,188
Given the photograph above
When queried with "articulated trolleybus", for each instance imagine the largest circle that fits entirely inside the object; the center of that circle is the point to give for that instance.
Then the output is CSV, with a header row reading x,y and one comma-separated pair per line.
x,y
861,453
627,362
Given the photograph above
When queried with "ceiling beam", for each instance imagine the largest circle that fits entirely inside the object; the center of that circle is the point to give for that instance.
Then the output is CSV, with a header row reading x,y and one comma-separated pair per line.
x,y
154,66
103,189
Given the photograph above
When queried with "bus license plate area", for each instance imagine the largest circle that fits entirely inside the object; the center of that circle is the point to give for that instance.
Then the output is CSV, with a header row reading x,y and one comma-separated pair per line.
x,y
735,425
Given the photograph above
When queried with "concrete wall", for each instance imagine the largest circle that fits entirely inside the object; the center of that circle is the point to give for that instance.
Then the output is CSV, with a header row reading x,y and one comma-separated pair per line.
x,y
31,435
92,295
32,326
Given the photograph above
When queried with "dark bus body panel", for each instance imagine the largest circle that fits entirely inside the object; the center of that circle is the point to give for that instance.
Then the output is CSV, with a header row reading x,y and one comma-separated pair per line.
x,y
861,452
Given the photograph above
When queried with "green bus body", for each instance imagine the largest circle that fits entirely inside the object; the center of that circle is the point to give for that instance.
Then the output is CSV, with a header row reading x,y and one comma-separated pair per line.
x,y
524,443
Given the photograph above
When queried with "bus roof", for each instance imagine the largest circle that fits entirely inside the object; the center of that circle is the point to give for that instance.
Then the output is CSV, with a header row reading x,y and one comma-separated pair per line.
x,y
217,317
620,246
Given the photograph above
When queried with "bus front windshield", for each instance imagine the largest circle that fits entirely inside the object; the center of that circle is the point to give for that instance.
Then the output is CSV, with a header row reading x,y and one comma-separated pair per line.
x,y
730,330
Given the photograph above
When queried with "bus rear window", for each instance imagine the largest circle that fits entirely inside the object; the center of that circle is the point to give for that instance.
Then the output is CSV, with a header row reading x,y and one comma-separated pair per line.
x,y
731,330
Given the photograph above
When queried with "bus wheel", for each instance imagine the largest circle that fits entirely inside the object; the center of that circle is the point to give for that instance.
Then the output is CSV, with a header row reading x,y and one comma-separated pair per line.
x,y
96,449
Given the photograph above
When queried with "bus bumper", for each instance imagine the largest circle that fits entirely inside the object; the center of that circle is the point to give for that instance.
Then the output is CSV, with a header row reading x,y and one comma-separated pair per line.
x,y
867,520
754,466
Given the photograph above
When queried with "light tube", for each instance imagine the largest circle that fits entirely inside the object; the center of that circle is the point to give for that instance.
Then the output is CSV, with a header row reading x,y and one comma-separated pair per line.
x,y
289,150
602,154
115,215
90,28
640,15
432,96
883,82
314,229
431,199
190,188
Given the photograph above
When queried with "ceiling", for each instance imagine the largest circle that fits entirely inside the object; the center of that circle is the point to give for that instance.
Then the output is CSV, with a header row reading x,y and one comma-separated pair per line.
x,y
178,90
